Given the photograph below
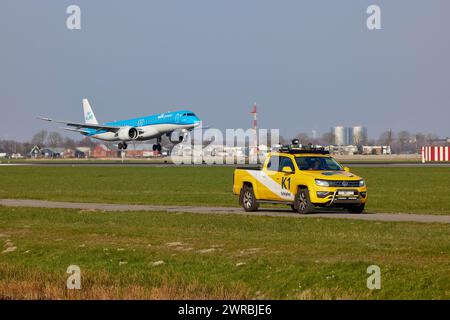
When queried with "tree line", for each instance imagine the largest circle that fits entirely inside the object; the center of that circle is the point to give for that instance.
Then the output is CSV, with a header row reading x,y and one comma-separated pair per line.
x,y
43,139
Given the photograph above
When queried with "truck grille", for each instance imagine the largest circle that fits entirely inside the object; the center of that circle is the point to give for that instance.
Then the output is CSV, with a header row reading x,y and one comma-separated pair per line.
x,y
343,183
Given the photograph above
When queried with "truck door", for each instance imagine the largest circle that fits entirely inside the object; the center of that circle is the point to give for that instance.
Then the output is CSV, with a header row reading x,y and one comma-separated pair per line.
x,y
280,184
285,179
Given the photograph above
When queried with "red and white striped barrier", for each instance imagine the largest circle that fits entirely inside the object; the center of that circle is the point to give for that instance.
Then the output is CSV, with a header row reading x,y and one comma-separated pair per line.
x,y
435,153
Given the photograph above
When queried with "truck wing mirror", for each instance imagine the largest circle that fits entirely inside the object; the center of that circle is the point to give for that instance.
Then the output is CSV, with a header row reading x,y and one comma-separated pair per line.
x,y
287,169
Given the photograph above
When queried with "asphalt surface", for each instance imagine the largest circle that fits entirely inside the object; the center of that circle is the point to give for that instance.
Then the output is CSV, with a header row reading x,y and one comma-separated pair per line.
x,y
389,217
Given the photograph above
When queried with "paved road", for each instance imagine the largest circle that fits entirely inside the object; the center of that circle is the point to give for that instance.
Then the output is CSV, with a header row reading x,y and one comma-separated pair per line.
x,y
402,217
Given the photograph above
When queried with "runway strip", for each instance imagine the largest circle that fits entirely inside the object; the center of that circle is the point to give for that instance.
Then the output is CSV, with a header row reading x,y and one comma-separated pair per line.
x,y
399,217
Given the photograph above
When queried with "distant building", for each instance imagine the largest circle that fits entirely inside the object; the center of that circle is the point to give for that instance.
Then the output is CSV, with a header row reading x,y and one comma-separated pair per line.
x,y
344,136
358,135
340,136
82,152
35,152
343,150
376,150
69,153
53,152
102,151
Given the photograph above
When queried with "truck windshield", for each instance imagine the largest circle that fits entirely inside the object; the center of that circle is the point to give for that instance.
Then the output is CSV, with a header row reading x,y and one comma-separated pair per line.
x,y
318,163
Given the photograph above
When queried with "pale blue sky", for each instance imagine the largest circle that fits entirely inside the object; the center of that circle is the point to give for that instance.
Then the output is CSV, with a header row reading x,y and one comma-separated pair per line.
x,y
308,64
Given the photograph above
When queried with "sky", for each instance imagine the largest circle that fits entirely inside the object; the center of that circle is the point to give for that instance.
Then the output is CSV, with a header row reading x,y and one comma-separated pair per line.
x,y
309,65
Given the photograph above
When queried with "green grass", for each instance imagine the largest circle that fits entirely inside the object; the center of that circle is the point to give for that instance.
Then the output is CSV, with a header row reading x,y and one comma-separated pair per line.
x,y
245,257
409,190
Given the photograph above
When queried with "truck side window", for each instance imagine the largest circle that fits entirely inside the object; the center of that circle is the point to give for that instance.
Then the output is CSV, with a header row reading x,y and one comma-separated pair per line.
x,y
286,162
273,163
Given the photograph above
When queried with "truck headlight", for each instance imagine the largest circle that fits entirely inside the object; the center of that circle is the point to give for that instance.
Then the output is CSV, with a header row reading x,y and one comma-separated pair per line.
x,y
362,183
322,183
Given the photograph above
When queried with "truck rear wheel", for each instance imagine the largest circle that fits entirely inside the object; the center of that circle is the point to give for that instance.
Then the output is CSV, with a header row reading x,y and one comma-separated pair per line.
x,y
302,202
248,199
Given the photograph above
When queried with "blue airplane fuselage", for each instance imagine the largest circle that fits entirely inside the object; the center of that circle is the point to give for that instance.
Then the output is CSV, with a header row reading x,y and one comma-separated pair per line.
x,y
149,127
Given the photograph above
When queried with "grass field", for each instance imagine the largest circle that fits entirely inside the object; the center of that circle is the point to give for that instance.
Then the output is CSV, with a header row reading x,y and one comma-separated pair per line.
x,y
217,257
408,190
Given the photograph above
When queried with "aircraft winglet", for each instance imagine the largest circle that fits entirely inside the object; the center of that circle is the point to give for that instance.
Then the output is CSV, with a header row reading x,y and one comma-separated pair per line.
x,y
45,119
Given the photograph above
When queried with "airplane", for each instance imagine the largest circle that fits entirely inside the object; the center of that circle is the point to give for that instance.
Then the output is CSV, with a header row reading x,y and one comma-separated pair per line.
x,y
137,129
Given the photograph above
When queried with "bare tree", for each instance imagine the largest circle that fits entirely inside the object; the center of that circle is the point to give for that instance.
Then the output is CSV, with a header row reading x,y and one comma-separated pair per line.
x,y
54,139
419,140
386,138
303,138
430,138
360,139
327,138
86,142
69,143
403,138
7,146
272,139
11,146
39,138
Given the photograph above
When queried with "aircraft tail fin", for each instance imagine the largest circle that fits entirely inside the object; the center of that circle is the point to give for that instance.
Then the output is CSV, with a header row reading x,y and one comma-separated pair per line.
x,y
89,116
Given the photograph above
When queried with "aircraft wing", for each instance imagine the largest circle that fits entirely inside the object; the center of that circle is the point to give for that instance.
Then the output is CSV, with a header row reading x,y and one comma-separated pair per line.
x,y
75,130
84,125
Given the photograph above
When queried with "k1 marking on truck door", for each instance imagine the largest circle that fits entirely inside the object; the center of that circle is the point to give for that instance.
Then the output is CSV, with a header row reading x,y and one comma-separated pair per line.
x,y
282,191
286,183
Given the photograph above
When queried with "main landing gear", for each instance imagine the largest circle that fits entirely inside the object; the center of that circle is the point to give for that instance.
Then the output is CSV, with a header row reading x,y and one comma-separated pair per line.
x,y
157,146
122,145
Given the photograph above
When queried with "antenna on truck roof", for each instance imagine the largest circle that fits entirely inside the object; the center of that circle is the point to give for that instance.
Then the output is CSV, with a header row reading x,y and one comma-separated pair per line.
x,y
296,148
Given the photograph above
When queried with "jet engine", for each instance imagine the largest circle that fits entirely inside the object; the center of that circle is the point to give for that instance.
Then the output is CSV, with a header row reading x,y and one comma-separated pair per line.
x,y
128,133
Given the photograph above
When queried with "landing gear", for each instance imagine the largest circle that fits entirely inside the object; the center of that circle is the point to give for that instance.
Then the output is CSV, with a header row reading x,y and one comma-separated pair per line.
x,y
122,145
157,147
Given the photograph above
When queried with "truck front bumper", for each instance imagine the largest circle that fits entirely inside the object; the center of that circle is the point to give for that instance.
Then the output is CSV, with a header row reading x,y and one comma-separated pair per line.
x,y
339,196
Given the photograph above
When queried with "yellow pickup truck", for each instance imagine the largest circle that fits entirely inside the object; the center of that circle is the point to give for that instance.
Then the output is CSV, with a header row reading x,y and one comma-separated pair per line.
x,y
302,178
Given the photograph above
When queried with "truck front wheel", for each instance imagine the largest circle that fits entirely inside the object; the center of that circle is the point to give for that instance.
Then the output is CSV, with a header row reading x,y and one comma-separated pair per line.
x,y
356,209
302,202
248,199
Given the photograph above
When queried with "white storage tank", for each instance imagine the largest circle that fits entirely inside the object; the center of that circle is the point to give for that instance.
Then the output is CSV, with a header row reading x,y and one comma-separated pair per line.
x,y
340,135
359,135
